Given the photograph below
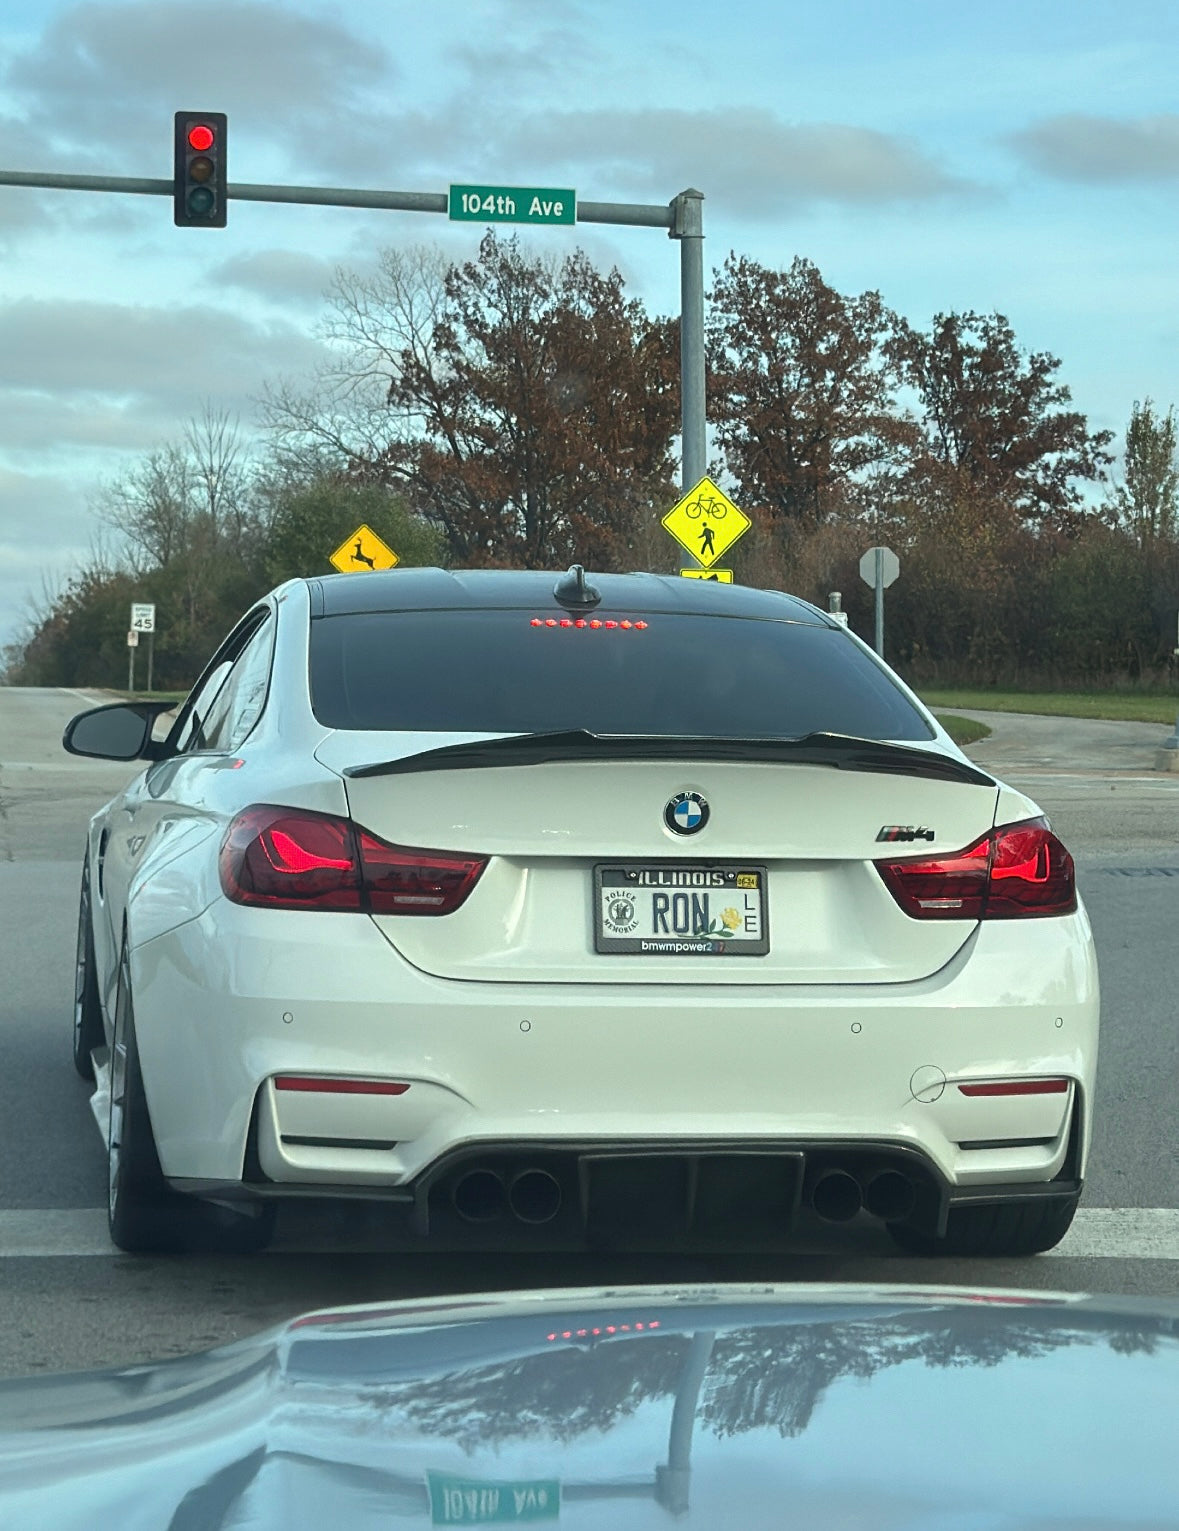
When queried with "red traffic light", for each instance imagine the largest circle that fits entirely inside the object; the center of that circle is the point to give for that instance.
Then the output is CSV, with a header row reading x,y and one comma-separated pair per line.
x,y
200,192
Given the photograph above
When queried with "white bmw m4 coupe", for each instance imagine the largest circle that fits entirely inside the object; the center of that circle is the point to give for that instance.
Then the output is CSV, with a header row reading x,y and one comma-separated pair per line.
x,y
575,911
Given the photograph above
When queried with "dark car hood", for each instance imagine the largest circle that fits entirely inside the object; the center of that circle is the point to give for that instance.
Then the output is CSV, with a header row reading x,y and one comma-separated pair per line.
x,y
730,1408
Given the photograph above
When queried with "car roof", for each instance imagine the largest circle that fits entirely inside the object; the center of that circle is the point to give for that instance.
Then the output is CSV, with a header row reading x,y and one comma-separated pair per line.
x,y
511,589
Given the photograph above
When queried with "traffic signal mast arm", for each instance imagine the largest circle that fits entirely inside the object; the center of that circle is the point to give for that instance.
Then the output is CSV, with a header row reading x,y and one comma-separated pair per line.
x,y
682,217
634,214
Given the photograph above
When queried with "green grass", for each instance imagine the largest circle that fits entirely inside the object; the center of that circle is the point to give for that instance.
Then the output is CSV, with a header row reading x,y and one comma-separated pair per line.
x,y
962,730
1127,706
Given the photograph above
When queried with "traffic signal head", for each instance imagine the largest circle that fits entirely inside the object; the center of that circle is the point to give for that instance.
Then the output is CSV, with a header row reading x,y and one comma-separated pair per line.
x,y
199,184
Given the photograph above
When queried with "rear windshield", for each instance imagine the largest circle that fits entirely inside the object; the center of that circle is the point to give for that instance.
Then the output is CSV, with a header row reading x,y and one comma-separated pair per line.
x,y
668,674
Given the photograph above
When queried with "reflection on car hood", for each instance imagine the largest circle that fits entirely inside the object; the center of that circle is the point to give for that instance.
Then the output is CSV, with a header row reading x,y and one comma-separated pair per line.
x,y
725,1408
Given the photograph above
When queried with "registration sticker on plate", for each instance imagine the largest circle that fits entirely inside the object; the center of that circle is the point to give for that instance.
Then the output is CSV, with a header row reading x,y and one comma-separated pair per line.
x,y
657,910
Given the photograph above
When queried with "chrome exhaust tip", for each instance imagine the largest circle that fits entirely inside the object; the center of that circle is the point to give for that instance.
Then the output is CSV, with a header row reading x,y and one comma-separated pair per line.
x,y
890,1196
836,1196
478,1196
535,1196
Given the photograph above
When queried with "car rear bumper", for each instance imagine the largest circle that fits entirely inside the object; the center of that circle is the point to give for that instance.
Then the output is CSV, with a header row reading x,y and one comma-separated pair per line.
x,y
235,998
724,1196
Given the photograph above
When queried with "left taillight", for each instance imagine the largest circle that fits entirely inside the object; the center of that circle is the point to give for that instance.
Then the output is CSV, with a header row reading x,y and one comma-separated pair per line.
x,y
1016,872
292,858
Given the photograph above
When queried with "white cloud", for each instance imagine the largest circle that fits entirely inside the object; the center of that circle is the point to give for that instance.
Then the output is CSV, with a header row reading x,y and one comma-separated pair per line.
x,y
1079,147
745,159
106,75
280,276
78,371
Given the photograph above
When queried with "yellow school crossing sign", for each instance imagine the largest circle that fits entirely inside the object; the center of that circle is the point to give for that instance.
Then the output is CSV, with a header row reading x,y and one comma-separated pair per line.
x,y
706,522
363,550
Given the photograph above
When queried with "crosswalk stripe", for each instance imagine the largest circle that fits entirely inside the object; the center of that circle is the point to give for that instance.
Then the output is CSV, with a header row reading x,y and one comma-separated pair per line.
x,y
1112,1233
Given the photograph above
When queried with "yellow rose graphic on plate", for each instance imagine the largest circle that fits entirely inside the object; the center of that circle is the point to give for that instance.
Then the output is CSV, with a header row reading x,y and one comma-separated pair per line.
x,y
730,919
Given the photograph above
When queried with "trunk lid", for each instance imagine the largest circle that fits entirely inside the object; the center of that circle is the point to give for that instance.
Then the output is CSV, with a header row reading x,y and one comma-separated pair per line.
x,y
580,806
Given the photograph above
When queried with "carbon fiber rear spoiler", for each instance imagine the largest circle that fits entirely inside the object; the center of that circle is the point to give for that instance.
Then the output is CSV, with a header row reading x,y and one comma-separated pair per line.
x,y
843,751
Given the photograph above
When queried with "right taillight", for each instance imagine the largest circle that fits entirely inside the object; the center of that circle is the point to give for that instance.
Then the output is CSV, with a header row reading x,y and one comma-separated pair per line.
x,y
292,858
1015,872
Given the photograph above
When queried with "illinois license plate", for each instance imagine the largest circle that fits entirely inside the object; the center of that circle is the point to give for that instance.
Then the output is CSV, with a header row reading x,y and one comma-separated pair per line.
x,y
648,910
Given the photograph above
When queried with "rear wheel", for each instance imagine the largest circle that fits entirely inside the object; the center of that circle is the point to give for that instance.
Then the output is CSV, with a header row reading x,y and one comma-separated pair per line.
x,y
88,1029
1004,1228
145,1215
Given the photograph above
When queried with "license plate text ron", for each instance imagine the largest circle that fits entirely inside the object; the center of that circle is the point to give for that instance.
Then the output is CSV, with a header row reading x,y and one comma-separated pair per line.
x,y
661,910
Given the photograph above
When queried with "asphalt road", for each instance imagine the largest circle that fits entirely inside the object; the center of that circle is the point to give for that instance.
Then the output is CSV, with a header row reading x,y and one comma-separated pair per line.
x,y
67,1301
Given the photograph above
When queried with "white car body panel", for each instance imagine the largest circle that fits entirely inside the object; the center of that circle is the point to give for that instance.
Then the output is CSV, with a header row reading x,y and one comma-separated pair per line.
x,y
324,994
505,1022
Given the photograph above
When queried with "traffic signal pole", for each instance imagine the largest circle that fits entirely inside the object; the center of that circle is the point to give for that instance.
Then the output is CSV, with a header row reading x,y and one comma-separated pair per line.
x,y
682,217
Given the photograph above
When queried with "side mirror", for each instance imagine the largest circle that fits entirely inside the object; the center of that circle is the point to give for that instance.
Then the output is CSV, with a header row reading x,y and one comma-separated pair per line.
x,y
119,731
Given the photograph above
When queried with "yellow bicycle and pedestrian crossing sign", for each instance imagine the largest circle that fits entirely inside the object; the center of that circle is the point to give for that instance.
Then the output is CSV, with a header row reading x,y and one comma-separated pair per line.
x,y
706,522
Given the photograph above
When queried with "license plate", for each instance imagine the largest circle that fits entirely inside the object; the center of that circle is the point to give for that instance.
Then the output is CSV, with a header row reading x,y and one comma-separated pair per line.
x,y
647,910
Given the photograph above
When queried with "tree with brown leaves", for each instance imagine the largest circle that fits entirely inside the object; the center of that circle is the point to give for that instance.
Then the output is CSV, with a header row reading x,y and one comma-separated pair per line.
x,y
996,434
801,394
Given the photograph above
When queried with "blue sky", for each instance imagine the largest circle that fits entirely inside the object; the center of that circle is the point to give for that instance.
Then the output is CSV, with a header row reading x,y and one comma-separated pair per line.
x,y
1013,157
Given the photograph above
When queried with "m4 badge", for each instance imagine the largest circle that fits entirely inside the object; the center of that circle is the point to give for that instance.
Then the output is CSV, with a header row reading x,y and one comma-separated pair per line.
x,y
895,832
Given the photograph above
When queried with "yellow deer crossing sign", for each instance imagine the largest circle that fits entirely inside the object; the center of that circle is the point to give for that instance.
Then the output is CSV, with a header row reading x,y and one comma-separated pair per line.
x,y
363,550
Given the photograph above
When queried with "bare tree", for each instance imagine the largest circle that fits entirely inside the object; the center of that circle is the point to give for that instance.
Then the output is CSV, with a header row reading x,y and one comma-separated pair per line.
x,y
343,421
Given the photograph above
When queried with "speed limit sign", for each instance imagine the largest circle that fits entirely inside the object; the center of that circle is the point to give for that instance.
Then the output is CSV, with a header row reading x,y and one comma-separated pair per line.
x,y
143,617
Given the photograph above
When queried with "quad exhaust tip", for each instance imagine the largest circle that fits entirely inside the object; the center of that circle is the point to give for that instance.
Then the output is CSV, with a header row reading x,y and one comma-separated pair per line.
x,y
837,1195
535,1196
890,1196
481,1196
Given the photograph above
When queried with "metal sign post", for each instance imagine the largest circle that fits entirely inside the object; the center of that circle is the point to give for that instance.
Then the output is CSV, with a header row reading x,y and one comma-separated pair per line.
x,y
879,567
143,620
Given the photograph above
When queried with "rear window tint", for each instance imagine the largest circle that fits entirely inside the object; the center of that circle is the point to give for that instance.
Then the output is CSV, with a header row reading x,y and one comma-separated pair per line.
x,y
494,672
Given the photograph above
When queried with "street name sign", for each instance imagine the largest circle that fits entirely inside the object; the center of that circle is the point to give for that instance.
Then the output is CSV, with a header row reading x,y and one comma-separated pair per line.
x,y
722,576
363,550
143,617
706,523
485,1502
513,204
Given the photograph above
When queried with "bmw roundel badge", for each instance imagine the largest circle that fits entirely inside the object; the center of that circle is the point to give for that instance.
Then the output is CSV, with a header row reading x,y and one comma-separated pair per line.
x,y
686,814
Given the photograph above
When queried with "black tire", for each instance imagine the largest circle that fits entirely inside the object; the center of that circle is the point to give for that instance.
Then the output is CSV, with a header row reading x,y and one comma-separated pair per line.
x,y
145,1215
1003,1228
88,1027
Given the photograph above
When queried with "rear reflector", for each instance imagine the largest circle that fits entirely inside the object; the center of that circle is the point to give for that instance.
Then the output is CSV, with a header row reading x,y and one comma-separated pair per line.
x,y
1015,872
1017,1087
321,1086
292,858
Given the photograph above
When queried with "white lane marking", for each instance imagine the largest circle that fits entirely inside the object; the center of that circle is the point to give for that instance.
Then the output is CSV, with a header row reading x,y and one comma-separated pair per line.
x,y
1122,1233
1112,1233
